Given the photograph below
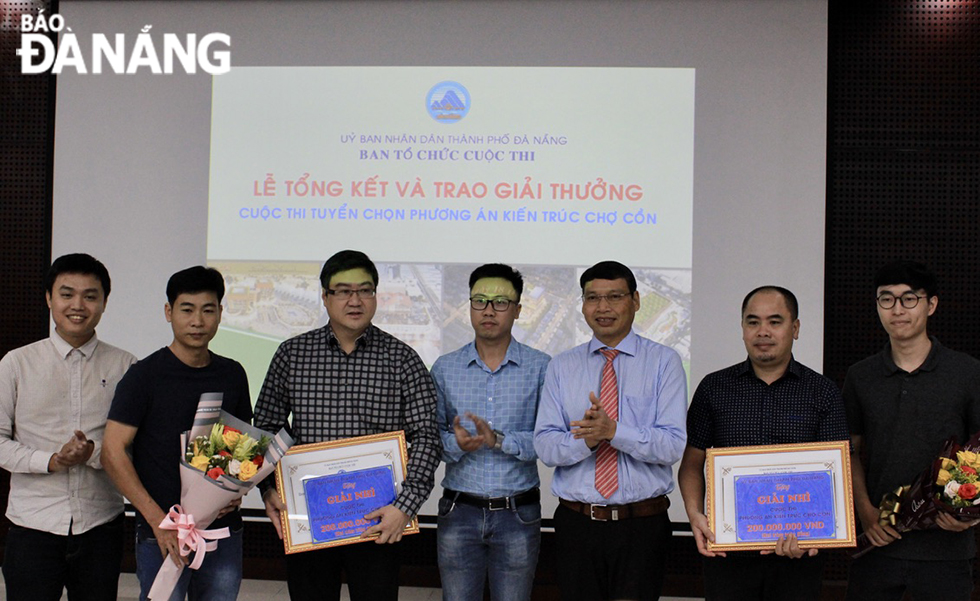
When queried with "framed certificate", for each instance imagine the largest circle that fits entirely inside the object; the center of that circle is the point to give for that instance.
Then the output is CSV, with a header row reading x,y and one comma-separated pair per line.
x,y
328,488
757,494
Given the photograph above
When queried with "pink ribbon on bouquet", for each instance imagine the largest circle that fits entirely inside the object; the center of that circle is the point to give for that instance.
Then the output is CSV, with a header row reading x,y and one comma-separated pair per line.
x,y
190,537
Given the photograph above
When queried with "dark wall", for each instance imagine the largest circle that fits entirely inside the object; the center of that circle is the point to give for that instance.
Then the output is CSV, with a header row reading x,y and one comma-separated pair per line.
x,y
903,181
26,160
903,175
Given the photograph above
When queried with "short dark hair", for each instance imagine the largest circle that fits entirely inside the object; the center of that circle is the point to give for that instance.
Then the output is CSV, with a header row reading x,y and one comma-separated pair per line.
x,y
346,260
608,270
78,263
499,270
916,275
194,280
789,297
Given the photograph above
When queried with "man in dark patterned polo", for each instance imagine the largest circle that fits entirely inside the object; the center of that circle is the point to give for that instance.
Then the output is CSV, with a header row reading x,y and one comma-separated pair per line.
x,y
767,399
348,379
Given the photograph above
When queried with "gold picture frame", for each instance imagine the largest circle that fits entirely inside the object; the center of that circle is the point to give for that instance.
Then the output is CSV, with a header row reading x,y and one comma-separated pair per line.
x,y
349,455
756,494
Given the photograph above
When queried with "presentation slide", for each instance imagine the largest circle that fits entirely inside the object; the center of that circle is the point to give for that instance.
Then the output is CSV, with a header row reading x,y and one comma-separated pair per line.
x,y
433,171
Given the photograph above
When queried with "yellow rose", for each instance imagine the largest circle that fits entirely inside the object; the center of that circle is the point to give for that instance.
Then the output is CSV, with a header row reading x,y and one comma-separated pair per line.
x,y
967,457
200,462
943,478
231,438
947,463
247,471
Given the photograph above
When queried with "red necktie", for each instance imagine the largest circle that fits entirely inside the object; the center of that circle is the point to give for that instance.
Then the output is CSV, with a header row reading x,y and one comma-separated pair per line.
x,y
606,471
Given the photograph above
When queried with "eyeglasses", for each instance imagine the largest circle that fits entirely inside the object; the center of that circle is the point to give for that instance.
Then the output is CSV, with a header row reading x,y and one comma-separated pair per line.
x,y
909,300
499,304
345,294
613,298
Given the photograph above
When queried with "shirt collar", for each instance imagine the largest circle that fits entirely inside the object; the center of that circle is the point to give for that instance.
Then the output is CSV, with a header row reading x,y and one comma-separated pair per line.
x,y
626,346
932,359
362,340
64,349
794,369
513,354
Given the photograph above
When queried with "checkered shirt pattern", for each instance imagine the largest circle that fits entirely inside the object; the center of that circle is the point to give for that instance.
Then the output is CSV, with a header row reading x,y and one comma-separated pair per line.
x,y
382,386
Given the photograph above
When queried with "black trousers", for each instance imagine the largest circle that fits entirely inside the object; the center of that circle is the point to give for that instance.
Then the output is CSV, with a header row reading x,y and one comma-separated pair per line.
x,y
38,565
745,575
600,561
371,569
876,577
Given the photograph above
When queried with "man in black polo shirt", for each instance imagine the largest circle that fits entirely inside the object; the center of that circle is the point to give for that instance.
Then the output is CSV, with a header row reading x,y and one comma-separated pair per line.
x,y
767,399
902,404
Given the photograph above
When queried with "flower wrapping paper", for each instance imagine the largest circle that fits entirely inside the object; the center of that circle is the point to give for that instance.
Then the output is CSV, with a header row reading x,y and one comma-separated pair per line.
x,y
916,506
201,497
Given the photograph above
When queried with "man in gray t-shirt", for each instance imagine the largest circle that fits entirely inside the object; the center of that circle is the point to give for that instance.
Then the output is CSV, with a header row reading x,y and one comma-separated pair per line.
x,y
902,404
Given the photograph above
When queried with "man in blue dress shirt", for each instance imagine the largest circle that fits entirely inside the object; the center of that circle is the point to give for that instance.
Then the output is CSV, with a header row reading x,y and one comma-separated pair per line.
x,y
611,421
490,511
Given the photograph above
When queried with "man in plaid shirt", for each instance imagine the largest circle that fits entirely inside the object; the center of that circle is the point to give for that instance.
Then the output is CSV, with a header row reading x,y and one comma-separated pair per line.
x,y
347,379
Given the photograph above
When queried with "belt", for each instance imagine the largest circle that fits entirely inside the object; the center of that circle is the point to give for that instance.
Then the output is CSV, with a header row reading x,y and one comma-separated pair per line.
x,y
614,513
493,503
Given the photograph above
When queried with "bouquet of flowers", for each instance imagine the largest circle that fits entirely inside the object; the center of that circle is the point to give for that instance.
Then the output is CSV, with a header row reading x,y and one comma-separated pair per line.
x,y
949,484
958,480
227,451
223,458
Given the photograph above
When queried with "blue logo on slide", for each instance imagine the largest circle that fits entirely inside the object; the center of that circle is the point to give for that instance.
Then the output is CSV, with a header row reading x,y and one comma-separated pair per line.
x,y
448,102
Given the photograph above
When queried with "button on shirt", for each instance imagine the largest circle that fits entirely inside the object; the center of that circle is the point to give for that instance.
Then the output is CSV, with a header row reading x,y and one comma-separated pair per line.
x,y
650,435
507,398
48,390
734,408
382,386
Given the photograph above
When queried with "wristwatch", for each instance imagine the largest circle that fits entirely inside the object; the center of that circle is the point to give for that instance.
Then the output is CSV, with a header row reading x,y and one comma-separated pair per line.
x,y
500,440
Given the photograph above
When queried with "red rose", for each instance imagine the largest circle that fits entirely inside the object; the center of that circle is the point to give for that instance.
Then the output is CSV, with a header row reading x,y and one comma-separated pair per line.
x,y
230,429
968,470
214,472
258,460
224,453
967,491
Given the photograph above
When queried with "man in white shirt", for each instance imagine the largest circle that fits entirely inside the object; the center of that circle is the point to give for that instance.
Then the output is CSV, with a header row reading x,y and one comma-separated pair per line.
x,y
67,522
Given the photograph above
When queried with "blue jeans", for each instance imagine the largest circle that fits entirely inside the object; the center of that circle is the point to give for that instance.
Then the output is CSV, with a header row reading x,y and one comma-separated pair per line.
x,y
218,579
474,542
38,565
